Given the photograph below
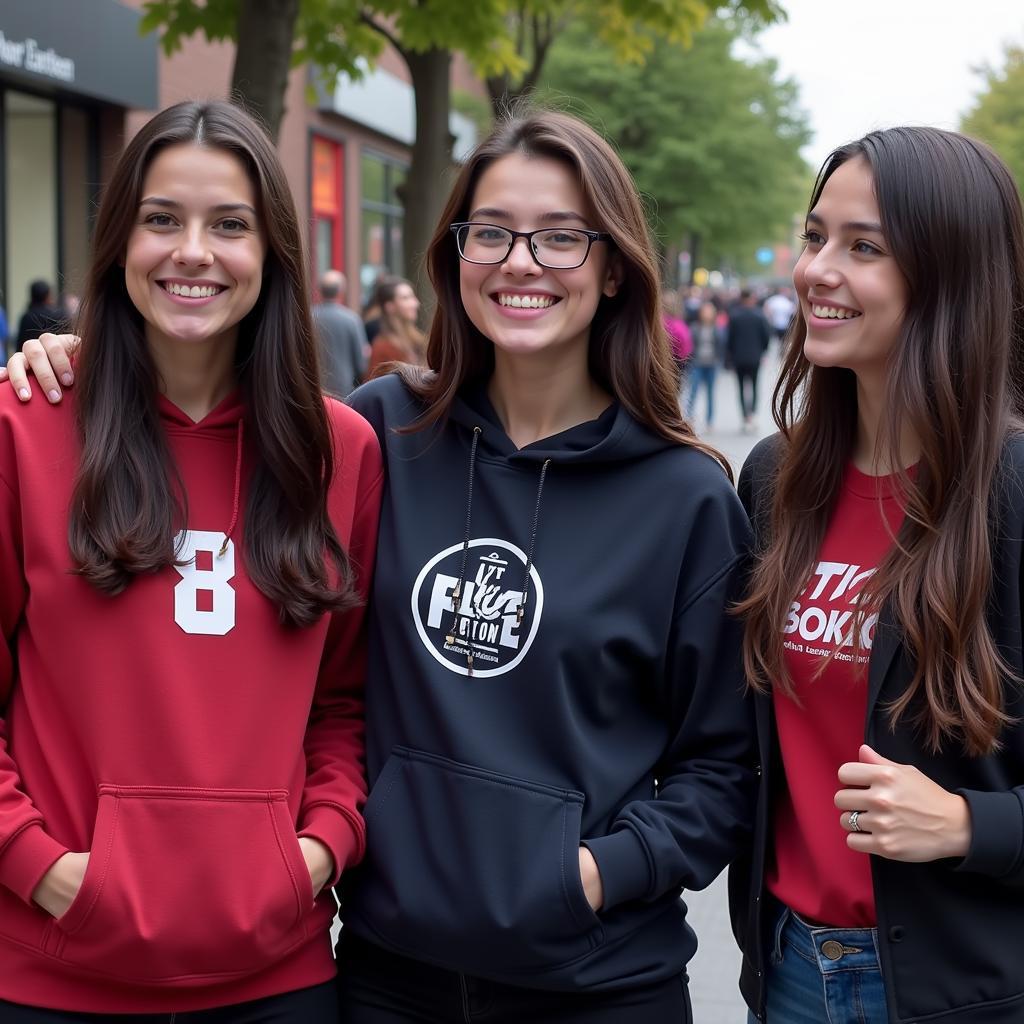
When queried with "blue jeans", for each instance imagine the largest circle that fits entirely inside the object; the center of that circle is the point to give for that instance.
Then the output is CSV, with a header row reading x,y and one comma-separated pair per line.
x,y
823,975
701,376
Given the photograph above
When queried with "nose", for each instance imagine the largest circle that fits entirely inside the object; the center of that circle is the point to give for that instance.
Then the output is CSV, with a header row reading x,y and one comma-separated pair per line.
x,y
193,247
821,268
520,259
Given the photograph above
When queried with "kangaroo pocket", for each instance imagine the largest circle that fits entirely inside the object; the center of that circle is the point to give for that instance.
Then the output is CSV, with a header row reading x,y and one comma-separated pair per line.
x,y
475,869
187,883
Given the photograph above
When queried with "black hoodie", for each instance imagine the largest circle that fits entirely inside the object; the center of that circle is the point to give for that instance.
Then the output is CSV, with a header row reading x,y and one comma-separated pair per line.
x,y
589,689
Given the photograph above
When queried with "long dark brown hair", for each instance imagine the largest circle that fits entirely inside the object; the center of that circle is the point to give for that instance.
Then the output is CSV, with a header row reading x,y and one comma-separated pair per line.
x,y
127,502
630,355
951,216
384,291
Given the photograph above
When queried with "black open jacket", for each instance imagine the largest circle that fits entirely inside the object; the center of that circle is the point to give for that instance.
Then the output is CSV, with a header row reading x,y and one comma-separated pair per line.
x,y
951,932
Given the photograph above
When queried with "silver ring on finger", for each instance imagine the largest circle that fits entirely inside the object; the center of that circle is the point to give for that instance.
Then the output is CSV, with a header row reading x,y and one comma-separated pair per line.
x,y
854,824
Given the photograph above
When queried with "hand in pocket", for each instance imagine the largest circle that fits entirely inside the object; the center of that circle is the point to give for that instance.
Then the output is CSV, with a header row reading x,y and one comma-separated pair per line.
x,y
319,862
593,888
58,888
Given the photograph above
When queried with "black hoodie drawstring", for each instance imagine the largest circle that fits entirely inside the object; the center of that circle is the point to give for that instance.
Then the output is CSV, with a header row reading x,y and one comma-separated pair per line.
x,y
457,592
533,540
238,489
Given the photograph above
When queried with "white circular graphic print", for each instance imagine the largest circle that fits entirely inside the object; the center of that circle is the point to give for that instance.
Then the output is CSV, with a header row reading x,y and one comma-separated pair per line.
x,y
486,622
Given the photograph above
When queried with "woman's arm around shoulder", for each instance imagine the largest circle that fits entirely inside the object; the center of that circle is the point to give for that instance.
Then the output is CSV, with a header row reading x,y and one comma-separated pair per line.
x,y
335,787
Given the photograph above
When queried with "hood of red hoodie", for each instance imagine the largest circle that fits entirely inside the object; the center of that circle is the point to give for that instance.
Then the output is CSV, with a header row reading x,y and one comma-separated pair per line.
x,y
222,419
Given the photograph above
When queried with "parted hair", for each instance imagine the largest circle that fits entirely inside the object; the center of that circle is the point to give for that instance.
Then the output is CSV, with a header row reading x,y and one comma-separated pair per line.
x,y
128,503
630,355
951,215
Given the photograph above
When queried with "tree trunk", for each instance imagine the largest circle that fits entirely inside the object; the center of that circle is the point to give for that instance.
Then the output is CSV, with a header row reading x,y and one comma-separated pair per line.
x,y
266,29
426,186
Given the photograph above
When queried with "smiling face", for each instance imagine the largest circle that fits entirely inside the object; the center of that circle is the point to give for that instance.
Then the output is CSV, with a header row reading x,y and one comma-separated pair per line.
x,y
194,260
522,307
852,294
404,306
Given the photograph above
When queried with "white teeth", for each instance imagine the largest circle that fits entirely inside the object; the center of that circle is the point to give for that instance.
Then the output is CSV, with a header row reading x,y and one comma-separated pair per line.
x,y
193,292
526,301
832,313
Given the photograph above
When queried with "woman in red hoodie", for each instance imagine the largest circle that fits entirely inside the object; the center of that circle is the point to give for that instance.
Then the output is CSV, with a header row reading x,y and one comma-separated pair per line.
x,y
187,545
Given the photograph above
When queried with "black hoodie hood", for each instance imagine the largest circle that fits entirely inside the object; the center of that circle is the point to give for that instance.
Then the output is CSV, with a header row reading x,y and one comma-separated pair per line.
x,y
613,437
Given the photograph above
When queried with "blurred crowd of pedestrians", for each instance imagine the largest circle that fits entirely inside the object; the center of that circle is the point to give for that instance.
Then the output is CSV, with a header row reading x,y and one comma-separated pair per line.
x,y
712,331
354,346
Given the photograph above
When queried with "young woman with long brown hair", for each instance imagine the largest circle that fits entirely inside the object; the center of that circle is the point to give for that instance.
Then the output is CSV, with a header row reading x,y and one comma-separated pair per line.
x,y
398,339
558,740
884,620
557,736
187,544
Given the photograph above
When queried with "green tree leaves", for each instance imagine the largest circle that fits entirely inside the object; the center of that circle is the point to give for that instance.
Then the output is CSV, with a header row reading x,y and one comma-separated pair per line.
x,y
712,139
998,115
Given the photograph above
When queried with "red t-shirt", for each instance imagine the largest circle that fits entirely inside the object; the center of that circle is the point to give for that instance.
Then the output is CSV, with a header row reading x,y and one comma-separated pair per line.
x,y
814,872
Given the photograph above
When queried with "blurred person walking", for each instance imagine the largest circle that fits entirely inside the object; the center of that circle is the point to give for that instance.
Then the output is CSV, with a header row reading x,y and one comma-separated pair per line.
x,y
41,315
678,333
779,309
708,353
746,341
344,349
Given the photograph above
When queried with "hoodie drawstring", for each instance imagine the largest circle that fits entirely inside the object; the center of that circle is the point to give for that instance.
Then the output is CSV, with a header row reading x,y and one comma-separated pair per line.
x,y
450,637
533,540
457,592
238,489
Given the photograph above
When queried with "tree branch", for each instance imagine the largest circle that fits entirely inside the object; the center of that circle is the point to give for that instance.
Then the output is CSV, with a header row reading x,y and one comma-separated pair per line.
x,y
543,37
368,19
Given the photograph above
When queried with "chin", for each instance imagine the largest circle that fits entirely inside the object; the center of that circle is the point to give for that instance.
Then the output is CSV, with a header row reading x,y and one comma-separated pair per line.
x,y
824,354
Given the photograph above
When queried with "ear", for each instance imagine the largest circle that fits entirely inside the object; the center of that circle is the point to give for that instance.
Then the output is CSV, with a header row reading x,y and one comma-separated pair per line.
x,y
614,276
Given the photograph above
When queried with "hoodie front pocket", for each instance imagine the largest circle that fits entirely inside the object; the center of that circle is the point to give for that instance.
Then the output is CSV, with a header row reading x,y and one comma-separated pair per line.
x,y
188,884
474,869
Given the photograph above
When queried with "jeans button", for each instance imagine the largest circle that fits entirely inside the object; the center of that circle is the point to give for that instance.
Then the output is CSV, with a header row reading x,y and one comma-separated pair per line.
x,y
832,949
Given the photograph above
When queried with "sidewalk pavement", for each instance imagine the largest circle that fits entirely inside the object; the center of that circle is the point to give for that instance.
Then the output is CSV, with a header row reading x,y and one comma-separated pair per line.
x,y
715,970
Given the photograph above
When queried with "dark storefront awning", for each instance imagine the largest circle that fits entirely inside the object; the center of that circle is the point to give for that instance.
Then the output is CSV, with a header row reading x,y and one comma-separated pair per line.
x,y
89,48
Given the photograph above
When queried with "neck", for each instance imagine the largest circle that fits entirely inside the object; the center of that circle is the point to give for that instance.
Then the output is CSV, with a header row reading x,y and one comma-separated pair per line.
x,y
196,377
870,419
537,398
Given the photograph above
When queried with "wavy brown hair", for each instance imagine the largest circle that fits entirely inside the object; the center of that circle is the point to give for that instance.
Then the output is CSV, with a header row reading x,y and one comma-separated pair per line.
x,y
384,291
630,354
951,216
126,506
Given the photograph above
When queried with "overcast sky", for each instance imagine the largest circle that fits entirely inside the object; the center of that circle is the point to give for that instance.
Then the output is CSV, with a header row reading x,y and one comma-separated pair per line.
x,y
864,64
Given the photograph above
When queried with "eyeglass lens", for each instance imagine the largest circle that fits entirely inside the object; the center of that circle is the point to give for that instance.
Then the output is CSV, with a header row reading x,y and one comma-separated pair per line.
x,y
555,247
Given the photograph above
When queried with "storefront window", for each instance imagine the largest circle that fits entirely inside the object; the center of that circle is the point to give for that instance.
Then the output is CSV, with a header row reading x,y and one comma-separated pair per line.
x,y
30,212
382,215
328,205
78,194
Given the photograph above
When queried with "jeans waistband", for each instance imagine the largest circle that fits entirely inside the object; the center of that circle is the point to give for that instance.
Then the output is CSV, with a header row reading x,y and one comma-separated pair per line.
x,y
833,949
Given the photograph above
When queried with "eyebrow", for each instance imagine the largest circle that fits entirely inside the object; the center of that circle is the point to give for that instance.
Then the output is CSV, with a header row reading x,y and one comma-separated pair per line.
x,y
554,217
219,208
850,225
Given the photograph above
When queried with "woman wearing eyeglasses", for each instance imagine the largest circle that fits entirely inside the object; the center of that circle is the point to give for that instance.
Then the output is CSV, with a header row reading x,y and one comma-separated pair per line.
x,y
548,636
557,738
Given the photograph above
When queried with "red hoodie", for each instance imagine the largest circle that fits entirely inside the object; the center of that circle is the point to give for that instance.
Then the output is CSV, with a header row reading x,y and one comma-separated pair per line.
x,y
177,731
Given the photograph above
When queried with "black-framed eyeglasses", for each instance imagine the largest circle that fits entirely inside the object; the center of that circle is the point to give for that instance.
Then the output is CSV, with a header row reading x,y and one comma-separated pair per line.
x,y
553,248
